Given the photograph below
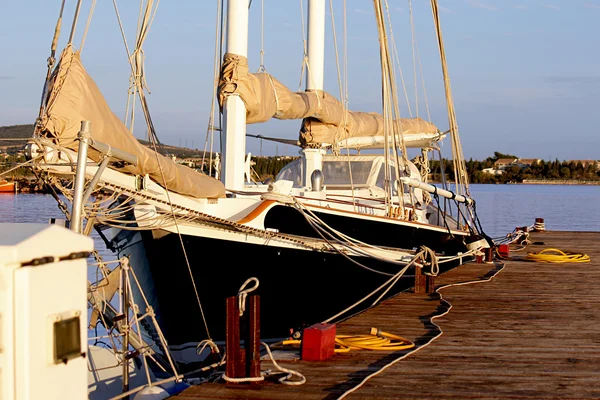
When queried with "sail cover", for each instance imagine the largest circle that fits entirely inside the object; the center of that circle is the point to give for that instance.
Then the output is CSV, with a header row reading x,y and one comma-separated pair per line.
x,y
325,120
73,97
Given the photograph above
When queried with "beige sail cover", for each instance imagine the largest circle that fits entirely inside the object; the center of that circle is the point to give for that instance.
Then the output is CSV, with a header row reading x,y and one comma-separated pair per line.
x,y
265,98
73,97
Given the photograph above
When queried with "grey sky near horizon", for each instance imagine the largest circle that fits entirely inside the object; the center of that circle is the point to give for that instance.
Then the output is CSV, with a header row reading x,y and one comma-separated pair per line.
x,y
525,73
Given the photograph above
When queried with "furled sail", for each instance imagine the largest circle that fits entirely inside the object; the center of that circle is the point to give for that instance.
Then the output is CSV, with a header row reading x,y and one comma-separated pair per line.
x,y
73,96
324,120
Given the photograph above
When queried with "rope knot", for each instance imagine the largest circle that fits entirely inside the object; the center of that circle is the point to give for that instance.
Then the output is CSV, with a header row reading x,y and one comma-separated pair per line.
x,y
429,258
243,293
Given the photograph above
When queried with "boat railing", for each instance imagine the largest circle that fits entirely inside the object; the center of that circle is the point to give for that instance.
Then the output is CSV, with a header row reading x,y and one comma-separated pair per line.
x,y
80,197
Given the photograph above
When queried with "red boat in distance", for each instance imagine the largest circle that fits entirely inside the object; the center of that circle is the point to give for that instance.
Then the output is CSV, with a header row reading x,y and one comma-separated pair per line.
x,y
7,187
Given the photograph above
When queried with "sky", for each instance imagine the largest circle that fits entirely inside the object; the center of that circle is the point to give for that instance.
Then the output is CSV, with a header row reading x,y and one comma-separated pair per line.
x,y
525,74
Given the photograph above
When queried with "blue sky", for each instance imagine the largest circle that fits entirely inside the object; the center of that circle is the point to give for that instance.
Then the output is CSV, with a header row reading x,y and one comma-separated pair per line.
x,y
525,73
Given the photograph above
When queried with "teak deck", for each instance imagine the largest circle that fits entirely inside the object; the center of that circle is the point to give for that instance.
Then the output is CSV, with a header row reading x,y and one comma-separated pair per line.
x,y
532,332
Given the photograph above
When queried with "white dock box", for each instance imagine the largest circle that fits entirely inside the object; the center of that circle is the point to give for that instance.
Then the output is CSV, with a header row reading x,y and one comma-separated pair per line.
x,y
43,312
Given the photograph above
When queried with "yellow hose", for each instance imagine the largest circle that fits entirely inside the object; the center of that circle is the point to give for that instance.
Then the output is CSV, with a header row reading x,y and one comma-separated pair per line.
x,y
375,340
557,256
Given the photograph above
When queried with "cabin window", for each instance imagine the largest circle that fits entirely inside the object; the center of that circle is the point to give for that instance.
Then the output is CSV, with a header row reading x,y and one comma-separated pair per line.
x,y
338,172
292,172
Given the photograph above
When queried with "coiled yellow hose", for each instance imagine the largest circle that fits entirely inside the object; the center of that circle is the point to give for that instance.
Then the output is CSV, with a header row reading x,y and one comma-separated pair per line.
x,y
375,340
557,256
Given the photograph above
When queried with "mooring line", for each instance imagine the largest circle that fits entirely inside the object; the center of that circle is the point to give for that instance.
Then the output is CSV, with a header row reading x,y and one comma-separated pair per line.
x,y
440,331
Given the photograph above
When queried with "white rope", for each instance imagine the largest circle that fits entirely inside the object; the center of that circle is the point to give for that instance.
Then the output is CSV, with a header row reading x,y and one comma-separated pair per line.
x,y
414,350
428,254
283,380
389,282
243,293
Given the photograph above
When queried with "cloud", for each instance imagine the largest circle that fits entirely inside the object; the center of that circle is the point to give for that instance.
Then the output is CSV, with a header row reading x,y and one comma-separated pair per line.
x,y
361,11
552,7
591,5
445,10
400,9
488,7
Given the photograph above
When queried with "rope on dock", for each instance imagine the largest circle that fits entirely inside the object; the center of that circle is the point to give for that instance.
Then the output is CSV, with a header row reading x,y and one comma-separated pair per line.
x,y
431,320
284,379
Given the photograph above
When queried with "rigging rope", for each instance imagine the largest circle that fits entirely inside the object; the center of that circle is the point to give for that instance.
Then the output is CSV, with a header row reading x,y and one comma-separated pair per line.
x,y
397,57
391,114
74,25
87,25
50,64
210,130
460,169
416,47
343,93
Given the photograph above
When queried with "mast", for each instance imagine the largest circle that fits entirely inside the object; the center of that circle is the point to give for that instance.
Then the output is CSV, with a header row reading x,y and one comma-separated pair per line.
x,y
313,158
315,45
234,111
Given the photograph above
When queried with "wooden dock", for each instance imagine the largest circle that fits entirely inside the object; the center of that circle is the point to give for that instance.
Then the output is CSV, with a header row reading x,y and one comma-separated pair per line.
x,y
531,332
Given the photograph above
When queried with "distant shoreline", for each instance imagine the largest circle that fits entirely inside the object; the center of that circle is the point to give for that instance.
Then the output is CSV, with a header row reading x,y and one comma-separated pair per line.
x,y
557,182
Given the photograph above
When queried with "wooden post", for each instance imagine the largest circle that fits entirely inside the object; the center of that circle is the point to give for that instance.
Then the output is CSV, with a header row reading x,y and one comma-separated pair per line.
x,y
419,279
430,284
235,360
423,283
252,340
489,254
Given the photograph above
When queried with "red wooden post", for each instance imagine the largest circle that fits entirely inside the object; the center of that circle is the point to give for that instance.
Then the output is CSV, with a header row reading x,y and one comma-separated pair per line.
x,y
235,361
252,341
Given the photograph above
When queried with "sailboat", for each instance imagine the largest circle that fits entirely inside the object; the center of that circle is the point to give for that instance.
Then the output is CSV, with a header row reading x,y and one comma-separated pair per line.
x,y
331,236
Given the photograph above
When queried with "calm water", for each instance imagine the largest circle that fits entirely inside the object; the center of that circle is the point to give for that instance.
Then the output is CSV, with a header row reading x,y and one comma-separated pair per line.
x,y
500,207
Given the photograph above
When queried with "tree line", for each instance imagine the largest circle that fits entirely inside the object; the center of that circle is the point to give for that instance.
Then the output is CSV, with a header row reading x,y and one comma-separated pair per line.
x,y
269,167
549,170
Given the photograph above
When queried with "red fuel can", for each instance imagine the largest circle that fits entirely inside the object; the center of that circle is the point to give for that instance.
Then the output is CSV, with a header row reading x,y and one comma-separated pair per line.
x,y
318,342
504,250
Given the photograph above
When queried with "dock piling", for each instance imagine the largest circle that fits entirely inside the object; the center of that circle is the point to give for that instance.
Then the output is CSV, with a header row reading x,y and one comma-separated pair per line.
x,y
423,283
243,362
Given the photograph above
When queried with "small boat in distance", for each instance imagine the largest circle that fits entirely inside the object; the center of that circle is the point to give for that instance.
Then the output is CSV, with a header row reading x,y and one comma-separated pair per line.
x,y
6,186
